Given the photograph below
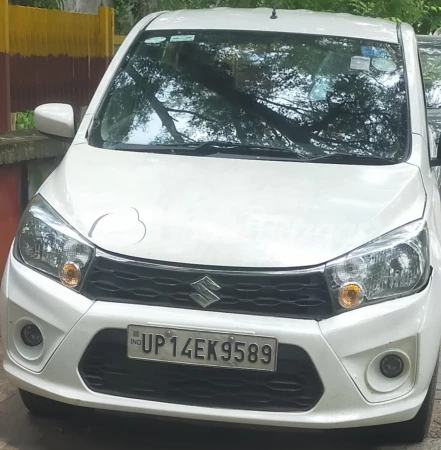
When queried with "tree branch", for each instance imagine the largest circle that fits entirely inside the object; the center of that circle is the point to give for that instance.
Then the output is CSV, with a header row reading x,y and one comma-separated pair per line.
x,y
160,109
192,113
166,119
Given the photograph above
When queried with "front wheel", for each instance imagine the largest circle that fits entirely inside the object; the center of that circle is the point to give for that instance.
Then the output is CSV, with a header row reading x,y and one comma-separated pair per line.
x,y
45,407
417,429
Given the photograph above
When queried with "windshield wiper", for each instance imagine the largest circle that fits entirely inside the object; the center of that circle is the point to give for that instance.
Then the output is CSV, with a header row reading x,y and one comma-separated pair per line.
x,y
159,148
211,148
220,148
348,158
216,148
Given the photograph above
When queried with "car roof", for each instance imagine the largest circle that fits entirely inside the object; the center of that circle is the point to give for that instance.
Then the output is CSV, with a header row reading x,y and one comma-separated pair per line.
x,y
288,21
429,40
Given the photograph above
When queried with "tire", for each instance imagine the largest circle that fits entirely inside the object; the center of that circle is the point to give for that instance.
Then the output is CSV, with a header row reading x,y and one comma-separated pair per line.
x,y
45,407
417,429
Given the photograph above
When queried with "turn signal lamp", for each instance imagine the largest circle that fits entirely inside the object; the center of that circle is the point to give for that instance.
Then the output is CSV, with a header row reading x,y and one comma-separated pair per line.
x,y
70,274
350,295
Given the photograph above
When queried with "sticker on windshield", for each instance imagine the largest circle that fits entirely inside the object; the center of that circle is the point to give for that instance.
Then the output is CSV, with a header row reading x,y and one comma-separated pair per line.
x,y
183,38
360,63
384,65
155,40
373,52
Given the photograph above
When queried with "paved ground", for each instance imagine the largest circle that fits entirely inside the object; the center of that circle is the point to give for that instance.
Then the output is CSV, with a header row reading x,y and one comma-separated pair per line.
x,y
104,431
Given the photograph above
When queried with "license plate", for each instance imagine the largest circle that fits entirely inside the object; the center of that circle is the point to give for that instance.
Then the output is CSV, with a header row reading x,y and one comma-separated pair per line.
x,y
202,348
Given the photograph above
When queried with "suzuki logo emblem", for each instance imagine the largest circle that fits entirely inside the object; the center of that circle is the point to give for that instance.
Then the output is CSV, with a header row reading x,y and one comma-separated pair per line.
x,y
205,286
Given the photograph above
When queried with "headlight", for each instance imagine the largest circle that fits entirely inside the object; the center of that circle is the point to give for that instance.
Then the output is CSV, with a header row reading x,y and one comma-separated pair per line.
x,y
392,266
47,243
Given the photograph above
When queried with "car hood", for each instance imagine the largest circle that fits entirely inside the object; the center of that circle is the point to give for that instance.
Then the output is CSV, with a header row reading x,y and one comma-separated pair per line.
x,y
229,212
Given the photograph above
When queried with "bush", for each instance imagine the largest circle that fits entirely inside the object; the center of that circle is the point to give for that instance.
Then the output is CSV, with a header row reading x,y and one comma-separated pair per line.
x,y
25,120
47,4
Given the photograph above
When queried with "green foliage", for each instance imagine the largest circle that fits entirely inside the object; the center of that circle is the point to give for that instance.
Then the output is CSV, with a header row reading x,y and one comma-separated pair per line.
x,y
122,20
25,120
424,15
47,4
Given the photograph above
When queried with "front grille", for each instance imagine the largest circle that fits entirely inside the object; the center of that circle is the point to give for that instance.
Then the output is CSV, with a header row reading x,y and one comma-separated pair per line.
x,y
295,386
276,293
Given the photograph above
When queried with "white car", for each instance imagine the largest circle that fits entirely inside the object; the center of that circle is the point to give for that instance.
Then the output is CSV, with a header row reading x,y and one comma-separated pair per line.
x,y
245,229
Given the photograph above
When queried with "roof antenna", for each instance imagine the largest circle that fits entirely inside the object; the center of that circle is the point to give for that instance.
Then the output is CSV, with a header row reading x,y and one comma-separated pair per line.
x,y
274,13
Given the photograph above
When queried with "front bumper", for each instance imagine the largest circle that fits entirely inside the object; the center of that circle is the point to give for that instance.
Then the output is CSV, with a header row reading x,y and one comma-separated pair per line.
x,y
341,349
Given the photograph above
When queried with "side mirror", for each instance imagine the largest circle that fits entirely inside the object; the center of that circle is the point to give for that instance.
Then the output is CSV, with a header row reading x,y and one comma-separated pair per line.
x,y
56,119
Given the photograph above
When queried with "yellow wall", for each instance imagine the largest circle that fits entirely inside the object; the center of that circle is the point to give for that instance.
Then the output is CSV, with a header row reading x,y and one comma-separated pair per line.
x,y
43,32
118,40
4,29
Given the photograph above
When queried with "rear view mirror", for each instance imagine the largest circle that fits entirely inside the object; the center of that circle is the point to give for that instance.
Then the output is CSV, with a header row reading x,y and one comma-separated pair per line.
x,y
56,119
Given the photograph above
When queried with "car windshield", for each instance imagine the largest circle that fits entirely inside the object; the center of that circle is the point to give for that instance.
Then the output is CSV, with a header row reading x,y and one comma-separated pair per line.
x,y
306,96
430,52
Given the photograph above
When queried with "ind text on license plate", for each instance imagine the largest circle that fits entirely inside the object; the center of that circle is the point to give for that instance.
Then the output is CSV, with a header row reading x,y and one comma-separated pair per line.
x,y
203,348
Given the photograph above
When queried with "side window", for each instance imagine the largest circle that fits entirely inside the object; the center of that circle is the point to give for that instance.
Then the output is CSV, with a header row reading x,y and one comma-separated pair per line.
x,y
431,142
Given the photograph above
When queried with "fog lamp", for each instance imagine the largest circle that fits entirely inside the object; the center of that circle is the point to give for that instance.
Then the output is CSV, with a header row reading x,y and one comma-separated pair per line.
x,y
391,366
31,335
70,274
350,295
